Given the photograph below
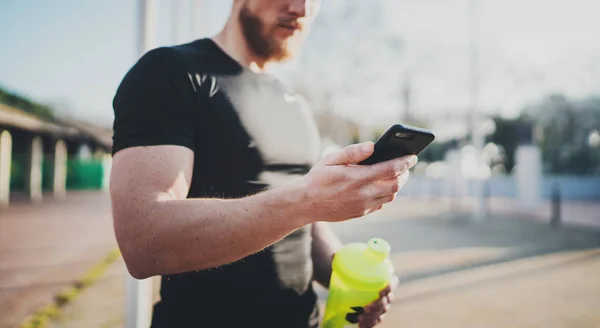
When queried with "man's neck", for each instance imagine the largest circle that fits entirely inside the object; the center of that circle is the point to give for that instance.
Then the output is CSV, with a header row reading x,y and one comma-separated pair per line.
x,y
232,42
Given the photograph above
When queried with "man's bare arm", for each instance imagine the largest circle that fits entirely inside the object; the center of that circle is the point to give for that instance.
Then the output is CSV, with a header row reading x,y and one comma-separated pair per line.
x,y
160,232
324,245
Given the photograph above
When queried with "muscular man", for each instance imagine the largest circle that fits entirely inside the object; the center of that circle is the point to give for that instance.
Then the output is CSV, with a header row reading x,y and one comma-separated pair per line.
x,y
217,184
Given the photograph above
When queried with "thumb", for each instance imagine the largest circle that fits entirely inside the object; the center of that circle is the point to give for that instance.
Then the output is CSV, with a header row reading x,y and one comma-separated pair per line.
x,y
351,154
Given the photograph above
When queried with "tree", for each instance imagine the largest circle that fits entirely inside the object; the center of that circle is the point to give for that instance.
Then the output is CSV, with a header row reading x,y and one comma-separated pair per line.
x,y
566,127
24,104
508,135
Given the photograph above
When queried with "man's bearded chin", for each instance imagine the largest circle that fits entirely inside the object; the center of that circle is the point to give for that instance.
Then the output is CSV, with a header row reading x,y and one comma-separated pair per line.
x,y
263,42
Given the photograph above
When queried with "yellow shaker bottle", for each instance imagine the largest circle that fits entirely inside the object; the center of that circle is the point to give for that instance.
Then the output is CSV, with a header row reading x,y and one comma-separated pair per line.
x,y
360,272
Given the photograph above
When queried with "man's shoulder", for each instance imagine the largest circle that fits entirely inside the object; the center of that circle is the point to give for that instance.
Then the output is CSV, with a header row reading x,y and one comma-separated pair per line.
x,y
196,53
200,49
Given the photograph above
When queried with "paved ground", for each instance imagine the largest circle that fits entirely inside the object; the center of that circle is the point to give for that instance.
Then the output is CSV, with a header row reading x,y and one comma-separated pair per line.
x,y
504,272
101,306
581,213
44,247
501,273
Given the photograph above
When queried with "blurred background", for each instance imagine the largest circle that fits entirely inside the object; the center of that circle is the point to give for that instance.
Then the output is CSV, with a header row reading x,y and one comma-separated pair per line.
x,y
499,225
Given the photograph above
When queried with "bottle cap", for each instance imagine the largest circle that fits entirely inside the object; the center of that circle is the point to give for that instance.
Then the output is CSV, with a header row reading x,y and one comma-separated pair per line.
x,y
366,264
379,249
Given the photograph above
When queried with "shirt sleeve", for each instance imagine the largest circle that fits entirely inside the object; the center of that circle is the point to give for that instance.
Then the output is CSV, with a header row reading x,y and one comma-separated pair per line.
x,y
155,103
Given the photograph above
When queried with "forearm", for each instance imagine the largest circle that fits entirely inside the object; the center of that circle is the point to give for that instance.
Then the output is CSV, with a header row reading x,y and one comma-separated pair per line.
x,y
173,236
324,245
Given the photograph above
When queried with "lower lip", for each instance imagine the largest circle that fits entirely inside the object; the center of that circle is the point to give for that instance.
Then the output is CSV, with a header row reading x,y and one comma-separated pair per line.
x,y
289,31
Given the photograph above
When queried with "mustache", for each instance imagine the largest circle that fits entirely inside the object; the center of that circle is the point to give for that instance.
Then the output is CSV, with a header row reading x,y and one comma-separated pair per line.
x,y
292,23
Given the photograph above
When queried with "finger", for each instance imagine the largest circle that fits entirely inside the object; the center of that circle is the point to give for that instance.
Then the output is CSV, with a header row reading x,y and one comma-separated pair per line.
x,y
374,314
376,306
350,155
385,191
403,179
386,309
377,203
390,169
384,292
370,321
390,298
391,187
383,303
394,283
367,322
372,207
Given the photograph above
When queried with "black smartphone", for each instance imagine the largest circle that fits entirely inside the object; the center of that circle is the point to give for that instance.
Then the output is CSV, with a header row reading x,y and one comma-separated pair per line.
x,y
400,140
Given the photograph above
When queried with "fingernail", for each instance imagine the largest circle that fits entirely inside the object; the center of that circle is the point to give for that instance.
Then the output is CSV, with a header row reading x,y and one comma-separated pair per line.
x,y
366,148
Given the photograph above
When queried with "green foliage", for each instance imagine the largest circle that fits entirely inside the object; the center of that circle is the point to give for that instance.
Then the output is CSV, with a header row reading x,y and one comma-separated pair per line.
x,y
436,151
507,135
24,104
566,125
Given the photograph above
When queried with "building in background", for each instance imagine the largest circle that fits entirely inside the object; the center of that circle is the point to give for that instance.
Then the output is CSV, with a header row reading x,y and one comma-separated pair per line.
x,y
41,153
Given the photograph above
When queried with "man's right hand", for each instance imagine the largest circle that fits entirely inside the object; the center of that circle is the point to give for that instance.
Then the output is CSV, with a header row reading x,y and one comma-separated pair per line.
x,y
336,189
159,230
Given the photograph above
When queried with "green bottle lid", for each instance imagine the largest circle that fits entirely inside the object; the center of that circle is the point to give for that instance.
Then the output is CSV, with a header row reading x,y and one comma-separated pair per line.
x,y
365,264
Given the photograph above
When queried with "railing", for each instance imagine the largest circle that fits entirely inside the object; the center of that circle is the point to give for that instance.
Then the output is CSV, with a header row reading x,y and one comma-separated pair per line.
x,y
572,187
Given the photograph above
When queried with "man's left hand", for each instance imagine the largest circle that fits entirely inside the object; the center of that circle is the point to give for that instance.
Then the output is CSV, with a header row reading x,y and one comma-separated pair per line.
x,y
373,313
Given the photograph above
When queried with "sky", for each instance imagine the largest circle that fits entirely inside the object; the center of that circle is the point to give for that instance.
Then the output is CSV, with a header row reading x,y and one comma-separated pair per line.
x,y
527,48
73,54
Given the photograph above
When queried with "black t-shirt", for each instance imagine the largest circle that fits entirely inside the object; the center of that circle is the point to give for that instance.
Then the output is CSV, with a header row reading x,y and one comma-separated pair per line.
x,y
248,133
